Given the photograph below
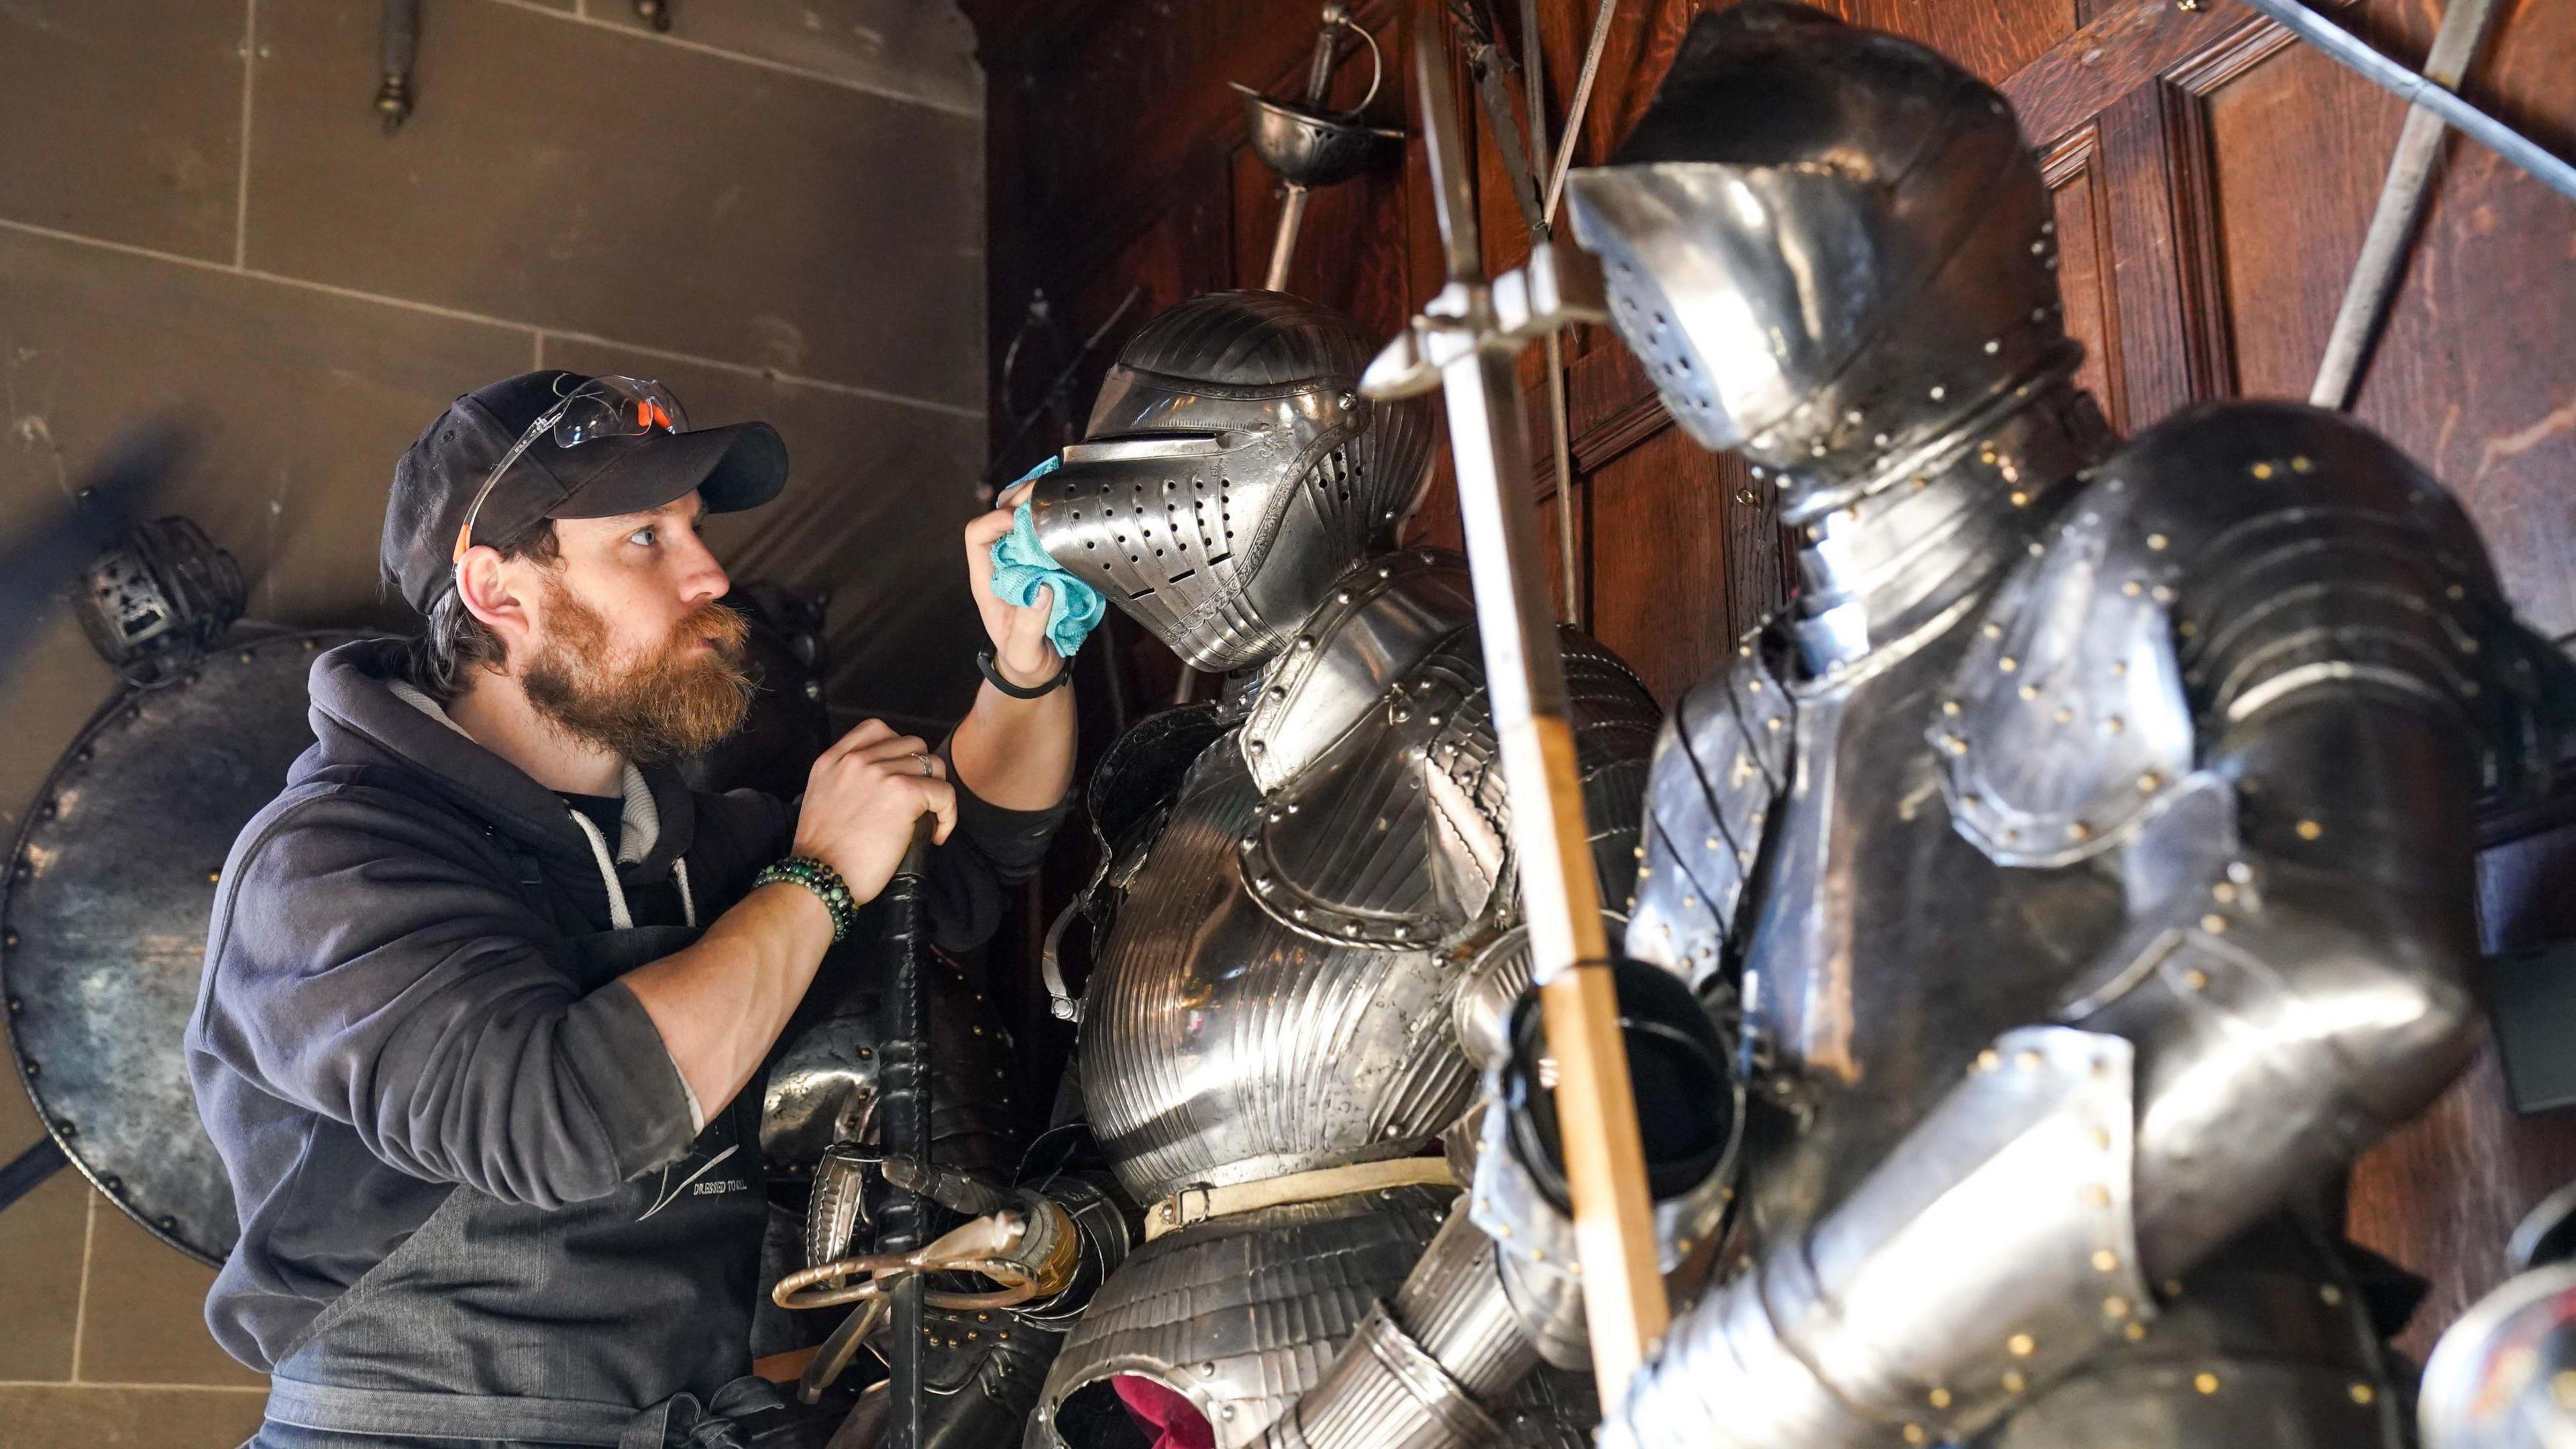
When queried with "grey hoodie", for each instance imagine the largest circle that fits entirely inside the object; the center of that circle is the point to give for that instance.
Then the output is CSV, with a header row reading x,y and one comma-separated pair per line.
x,y
386,1013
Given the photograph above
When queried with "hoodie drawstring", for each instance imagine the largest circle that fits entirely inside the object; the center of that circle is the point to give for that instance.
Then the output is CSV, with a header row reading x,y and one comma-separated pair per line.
x,y
618,916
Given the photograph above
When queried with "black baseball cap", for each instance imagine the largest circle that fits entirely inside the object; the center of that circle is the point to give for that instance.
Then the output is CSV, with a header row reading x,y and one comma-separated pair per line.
x,y
735,467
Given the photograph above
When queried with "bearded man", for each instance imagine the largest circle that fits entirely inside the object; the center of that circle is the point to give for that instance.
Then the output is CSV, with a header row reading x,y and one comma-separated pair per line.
x,y
486,985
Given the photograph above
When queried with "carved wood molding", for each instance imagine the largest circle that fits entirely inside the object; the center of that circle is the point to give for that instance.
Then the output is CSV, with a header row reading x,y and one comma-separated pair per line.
x,y
2139,41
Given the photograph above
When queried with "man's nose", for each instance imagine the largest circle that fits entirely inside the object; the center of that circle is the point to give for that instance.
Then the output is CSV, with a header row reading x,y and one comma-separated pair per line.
x,y
702,579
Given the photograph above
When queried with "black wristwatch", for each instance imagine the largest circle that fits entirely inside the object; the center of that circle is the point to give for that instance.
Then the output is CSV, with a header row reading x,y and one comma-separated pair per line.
x,y
1063,677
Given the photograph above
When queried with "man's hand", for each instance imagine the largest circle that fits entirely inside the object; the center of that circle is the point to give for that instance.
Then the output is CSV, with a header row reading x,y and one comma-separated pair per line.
x,y
1021,652
861,800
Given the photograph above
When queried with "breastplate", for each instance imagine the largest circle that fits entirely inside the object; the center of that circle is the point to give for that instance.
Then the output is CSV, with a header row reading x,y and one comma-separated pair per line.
x,y
1274,992
1886,950
1219,1045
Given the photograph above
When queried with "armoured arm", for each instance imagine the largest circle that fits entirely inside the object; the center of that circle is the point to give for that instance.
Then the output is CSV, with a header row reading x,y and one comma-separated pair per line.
x,y
2268,710
1495,1292
373,966
2273,1009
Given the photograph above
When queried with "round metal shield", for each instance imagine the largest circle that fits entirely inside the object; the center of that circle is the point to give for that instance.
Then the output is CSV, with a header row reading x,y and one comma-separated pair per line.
x,y
103,927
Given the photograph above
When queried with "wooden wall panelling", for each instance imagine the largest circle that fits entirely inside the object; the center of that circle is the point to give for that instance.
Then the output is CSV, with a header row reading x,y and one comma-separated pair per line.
x,y
2087,264
1993,38
2470,379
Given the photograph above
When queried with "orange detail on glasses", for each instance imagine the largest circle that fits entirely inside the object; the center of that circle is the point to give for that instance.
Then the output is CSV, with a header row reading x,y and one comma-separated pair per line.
x,y
464,541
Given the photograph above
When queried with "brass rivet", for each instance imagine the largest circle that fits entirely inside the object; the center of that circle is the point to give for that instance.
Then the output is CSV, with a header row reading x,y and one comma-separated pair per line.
x,y
2332,1295
2105,1261
1914,1434
2134,1331
2098,1195
2131,588
2310,830
2115,1306
1988,1060
2262,470
2363,1393
2224,892
2008,664
2214,923
2020,499
2020,1345
2014,1382
2078,830
1940,1398
2157,541
2150,782
1949,706
2205,1381
2195,979
2300,464
2030,691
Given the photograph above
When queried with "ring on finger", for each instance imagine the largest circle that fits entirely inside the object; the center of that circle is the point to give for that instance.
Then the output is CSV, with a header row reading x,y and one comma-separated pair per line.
x,y
929,767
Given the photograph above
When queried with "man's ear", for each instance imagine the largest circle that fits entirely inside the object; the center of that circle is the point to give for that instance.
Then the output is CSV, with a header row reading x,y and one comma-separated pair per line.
x,y
497,594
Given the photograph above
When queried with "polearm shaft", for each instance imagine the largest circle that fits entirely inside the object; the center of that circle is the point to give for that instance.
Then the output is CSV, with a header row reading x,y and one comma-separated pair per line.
x,y
1623,1292
2401,206
2379,70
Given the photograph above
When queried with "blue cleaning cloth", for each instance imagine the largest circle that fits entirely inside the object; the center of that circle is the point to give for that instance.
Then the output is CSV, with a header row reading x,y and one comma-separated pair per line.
x,y
1020,566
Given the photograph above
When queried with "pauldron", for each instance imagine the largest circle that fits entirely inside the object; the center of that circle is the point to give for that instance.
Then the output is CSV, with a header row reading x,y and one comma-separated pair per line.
x,y
1384,823
2225,562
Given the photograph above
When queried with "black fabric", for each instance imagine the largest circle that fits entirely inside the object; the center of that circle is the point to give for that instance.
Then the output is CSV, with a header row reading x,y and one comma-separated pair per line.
x,y
391,1007
740,466
608,812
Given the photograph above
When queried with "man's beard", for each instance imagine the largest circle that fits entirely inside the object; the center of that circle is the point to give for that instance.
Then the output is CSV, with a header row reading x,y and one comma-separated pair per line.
x,y
677,702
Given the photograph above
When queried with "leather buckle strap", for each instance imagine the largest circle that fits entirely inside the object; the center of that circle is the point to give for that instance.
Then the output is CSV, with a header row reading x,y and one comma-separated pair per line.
x,y
1201,1202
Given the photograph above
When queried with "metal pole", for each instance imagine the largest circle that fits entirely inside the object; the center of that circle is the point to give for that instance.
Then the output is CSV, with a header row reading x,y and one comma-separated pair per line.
x,y
2380,71
2401,204
1283,243
1559,433
1623,1291
1582,100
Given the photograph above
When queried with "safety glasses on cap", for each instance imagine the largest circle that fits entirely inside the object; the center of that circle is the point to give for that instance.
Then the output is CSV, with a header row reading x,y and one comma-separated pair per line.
x,y
604,407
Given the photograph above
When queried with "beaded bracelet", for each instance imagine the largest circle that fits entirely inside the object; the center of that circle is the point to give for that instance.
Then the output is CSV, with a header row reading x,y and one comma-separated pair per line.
x,y
822,880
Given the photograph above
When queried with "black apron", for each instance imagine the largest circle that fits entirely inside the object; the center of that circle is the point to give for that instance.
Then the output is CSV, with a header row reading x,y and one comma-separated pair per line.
x,y
622,1321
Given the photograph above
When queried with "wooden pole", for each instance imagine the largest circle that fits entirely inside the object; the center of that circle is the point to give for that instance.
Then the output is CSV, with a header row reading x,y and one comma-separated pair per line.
x,y
1460,339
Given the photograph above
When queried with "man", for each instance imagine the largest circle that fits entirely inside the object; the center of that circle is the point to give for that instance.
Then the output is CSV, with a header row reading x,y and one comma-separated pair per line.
x,y
485,985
